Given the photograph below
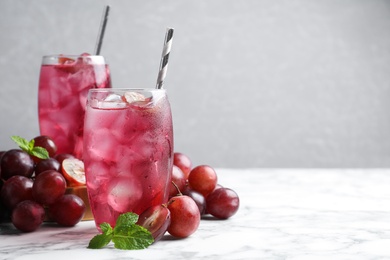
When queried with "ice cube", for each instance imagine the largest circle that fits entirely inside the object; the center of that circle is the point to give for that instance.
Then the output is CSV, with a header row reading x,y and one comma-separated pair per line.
x,y
112,101
138,100
113,97
124,194
102,145
131,97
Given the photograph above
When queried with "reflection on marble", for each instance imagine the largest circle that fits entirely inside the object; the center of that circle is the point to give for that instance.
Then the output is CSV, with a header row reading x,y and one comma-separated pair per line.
x,y
284,214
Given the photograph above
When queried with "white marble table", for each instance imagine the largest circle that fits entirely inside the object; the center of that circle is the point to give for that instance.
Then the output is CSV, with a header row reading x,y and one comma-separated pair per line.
x,y
284,214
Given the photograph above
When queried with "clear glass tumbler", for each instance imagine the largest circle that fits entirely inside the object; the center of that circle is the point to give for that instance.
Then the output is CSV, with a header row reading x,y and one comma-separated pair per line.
x,y
63,87
128,151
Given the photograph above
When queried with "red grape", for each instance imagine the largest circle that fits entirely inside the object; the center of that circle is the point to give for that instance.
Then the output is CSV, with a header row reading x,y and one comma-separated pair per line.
x,y
16,162
183,162
28,215
179,179
222,203
203,179
16,189
198,198
1,155
156,219
47,143
67,210
218,186
62,156
47,164
185,216
48,186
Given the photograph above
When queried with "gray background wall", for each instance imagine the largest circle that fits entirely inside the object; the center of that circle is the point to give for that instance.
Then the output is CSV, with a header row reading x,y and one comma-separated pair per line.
x,y
252,83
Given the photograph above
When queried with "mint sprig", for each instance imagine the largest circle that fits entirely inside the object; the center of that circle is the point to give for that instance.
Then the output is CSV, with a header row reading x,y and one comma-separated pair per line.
x,y
30,148
126,234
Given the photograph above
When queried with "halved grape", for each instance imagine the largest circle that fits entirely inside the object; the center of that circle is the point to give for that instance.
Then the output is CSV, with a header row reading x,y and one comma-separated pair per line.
x,y
156,219
73,171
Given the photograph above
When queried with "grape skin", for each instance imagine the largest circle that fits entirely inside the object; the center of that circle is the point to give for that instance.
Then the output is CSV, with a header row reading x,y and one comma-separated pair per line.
x,y
156,219
198,198
225,205
222,203
48,186
47,143
62,156
67,210
185,216
23,204
47,164
16,162
28,216
183,162
179,179
15,190
203,179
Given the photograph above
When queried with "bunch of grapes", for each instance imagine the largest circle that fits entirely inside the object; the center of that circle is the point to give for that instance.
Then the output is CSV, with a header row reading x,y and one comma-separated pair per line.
x,y
33,188
195,192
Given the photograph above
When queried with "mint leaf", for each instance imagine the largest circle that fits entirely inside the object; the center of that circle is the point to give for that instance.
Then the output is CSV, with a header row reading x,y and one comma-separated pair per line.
x,y
125,235
39,152
131,237
106,228
127,219
21,142
99,241
31,144
30,148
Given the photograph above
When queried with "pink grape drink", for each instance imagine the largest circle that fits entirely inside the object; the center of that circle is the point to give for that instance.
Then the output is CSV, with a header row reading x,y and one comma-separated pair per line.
x,y
128,151
63,87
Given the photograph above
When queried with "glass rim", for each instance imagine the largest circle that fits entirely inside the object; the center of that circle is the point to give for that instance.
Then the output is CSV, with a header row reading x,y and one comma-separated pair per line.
x,y
70,55
123,90
54,58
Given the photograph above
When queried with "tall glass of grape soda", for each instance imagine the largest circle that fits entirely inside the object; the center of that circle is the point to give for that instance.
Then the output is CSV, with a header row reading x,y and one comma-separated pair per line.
x,y
63,87
128,151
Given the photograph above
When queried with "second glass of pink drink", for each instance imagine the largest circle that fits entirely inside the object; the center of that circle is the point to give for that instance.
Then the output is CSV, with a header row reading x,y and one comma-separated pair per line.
x,y
128,151
63,87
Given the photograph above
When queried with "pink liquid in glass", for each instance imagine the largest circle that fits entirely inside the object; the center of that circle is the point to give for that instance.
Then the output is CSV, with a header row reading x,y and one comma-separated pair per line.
x,y
128,151
63,87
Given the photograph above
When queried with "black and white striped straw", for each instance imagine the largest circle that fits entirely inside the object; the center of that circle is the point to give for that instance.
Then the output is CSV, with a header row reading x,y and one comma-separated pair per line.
x,y
164,58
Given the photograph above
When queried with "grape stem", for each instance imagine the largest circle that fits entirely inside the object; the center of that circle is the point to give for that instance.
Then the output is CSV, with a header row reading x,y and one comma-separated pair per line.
x,y
177,188
172,200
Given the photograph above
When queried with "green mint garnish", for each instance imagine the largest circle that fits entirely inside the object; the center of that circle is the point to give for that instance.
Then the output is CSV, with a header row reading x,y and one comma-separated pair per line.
x,y
101,240
126,234
30,148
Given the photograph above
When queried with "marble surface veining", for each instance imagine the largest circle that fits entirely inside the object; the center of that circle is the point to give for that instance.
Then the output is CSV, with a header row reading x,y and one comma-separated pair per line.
x,y
284,214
